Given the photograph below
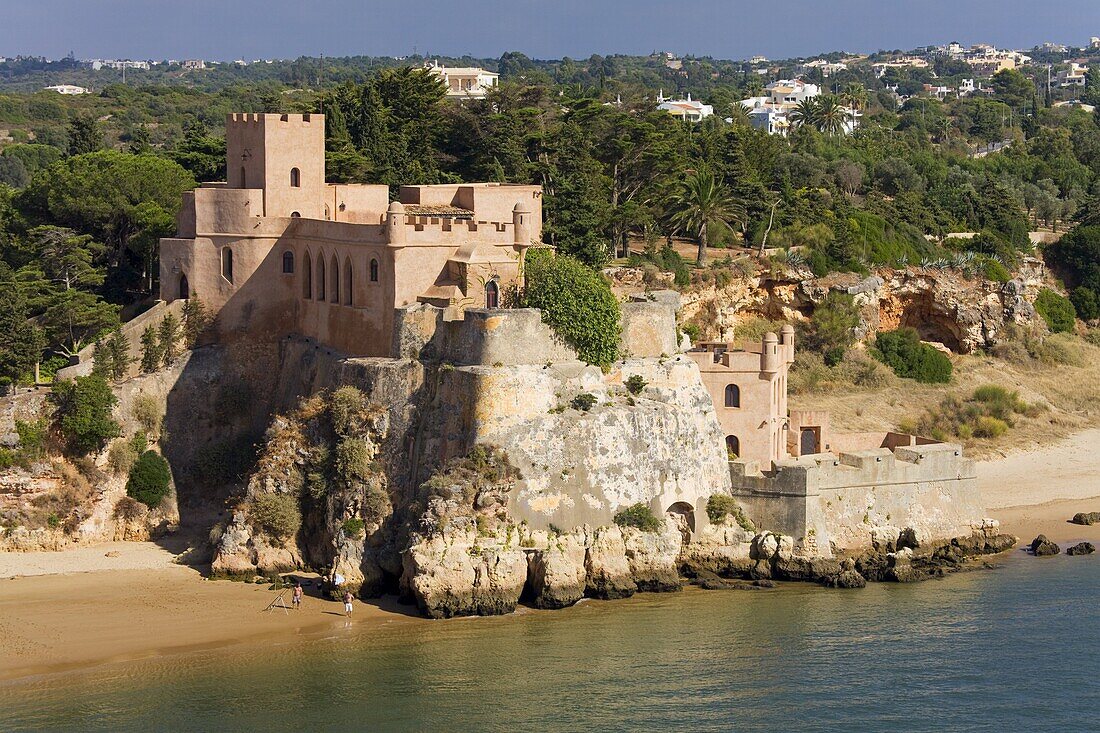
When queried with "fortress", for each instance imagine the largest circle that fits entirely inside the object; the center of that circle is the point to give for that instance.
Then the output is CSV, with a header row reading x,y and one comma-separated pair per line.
x,y
277,248
278,251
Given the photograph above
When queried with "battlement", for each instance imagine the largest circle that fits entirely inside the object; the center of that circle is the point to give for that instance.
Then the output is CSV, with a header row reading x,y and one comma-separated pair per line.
x,y
255,118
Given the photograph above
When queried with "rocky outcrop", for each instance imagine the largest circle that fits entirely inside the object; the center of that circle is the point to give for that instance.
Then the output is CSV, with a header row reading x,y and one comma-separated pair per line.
x,y
557,575
1081,548
1086,518
1041,546
945,305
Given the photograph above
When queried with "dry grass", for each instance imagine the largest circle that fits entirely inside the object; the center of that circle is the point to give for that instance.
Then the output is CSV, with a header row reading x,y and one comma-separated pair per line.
x,y
1069,392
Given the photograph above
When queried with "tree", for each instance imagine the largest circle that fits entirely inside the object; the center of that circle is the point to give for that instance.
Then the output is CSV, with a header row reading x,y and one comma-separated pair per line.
x,y
21,342
168,336
832,329
84,135
832,118
83,414
201,155
118,346
702,204
1013,88
1056,310
151,352
854,95
575,188
195,320
805,113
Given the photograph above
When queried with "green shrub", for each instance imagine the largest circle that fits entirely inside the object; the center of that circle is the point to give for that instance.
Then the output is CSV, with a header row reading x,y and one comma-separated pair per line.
x,y
353,457
7,458
32,437
831,330
993,270
150,479
354,527
276,514
903,352
722,506
348,407
576,302
1056,310
635,384
638,516
83,414
583,402
989,427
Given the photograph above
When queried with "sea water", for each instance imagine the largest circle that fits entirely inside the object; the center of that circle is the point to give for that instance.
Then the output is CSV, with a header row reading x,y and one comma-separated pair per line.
x,y
1015,648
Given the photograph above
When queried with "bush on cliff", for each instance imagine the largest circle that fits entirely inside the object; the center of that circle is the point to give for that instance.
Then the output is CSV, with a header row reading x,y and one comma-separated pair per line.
x,y
831,330
1056,310
638,516
277,515
720,507
988,413
149,480
83,414
903,352
576,302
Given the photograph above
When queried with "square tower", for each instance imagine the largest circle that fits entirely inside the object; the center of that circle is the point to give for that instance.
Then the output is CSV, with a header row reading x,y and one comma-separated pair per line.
x,y
282,154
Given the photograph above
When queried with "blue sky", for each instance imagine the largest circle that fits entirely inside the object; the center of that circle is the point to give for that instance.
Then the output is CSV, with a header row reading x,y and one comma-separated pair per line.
x,y
229,29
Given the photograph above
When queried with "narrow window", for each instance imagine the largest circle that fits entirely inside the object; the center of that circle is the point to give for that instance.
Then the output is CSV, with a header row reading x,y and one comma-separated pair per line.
x,y
733,395
492,294
295,178
288,263
374,271
307,277
334,280
320,294
733,447
348,299
244,178
185,289
227,264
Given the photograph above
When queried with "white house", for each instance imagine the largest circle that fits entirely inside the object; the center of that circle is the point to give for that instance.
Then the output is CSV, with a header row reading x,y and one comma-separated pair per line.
x,y
469,82
1074,76
67,89
686,109
828,68
771,111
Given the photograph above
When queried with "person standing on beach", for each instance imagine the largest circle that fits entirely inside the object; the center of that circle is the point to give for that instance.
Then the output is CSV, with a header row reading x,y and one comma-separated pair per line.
x,y
297,597
347,603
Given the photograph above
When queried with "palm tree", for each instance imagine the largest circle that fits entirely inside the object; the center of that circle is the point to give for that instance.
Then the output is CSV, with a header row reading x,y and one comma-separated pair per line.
x,y
855,96
805,113
832,116
739,115
704,202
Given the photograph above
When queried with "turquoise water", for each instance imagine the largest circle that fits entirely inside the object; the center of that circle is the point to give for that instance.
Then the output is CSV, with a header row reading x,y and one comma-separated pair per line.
x,y
1010,649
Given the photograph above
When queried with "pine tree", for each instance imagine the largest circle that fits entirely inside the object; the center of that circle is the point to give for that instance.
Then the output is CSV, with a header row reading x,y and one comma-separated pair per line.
x,y
151,353
168,336
101,359
195,320
119,348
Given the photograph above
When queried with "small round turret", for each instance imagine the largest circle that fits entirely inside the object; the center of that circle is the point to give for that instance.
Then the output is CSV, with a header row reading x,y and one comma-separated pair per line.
x,y
521,224
786,335
395,222
769,354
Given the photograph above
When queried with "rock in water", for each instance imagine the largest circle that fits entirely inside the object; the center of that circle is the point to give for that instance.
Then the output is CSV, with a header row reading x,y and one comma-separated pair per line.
x,y
1086,518
1081,548
1041,546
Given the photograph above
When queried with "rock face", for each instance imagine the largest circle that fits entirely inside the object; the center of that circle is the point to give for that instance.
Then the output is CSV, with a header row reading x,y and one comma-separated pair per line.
x,y
944,305
1081,548
1041,546
1086,518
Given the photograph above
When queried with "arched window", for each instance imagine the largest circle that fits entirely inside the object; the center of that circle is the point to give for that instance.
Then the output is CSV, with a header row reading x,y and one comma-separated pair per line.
x,y
185,289
492,294
227,263
288,263
733,395
307,277
295,178
348,297
374,271
733,447
295,215
319,291
334,280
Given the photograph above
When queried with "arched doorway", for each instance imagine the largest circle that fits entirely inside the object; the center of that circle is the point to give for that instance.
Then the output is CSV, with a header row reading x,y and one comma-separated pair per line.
x,y
492,294
683,515
807,442
185,289
733,447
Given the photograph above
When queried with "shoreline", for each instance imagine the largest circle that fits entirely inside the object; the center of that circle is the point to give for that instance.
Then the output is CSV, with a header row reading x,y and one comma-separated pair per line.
x,y
84,607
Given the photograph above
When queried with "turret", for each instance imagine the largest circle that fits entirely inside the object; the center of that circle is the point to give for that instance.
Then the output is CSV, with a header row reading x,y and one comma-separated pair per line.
x,y
769,354
521,226
786,337
395,223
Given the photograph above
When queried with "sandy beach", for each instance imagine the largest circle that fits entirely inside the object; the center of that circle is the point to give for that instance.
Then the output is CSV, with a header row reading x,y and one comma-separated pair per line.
x,y
128,600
